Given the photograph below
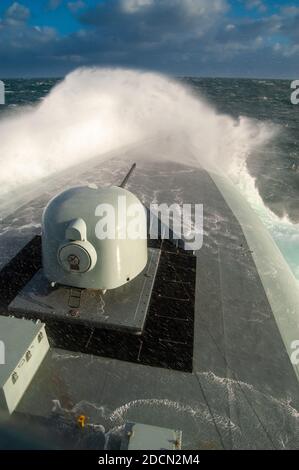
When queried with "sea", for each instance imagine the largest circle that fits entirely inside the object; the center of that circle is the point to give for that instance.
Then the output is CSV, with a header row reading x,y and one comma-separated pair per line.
x,y
274,168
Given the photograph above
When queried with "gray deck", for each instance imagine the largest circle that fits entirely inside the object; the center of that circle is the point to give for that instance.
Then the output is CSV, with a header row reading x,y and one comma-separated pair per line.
x,y
243,392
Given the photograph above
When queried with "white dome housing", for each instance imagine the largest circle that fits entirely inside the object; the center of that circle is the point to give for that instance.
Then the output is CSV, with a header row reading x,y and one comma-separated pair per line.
x,y
94,238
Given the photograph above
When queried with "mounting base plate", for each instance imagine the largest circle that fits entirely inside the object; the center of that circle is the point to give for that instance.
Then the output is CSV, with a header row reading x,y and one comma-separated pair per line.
x,y
124,308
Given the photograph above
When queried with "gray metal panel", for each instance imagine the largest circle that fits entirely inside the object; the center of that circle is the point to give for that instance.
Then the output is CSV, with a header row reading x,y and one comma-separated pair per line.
x,y
139,436
17,335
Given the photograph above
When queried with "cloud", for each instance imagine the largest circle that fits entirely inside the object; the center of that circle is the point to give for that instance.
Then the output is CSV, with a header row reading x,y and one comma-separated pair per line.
x,y
156,19
194,30
256,4
74,7
176,36
54,4
16,13
290,10
145,33
20,43
133,6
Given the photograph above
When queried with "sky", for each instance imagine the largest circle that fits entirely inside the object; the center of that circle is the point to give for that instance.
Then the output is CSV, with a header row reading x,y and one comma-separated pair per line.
x,y
224,38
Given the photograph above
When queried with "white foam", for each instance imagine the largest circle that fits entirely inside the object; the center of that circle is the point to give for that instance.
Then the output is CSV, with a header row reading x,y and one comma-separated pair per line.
x,y
93,111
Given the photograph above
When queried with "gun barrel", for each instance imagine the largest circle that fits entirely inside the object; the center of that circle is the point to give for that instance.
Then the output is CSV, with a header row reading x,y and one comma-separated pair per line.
x,y
125,180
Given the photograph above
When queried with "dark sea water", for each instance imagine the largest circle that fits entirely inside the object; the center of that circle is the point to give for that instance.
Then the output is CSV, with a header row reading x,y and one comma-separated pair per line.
x,y
275,168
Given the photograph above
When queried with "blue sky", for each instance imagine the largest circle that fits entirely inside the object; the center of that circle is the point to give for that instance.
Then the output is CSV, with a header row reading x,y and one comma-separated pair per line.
x,y
243,38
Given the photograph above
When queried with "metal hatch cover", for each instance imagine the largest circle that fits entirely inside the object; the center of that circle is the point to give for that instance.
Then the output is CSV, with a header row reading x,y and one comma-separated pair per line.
x,y
138,436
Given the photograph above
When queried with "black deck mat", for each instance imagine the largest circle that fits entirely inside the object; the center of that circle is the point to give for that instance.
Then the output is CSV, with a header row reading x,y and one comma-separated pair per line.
x,y
167,339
